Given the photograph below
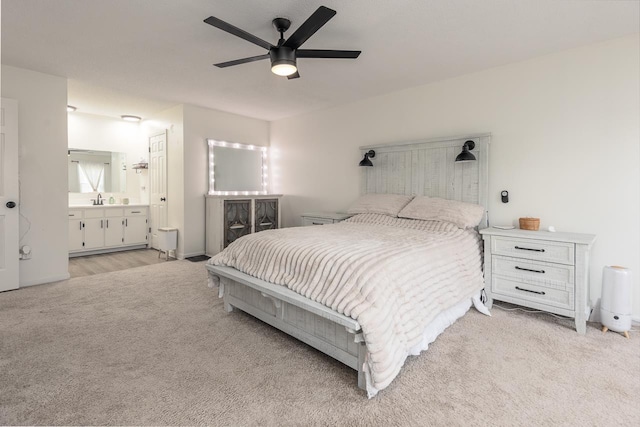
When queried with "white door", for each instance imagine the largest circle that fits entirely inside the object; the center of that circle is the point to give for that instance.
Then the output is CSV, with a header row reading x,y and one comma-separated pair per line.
x,y
158,184
9,240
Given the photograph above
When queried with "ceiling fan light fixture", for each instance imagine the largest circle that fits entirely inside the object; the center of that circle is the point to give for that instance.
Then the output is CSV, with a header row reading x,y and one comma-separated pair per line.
x,y
283,61
283,68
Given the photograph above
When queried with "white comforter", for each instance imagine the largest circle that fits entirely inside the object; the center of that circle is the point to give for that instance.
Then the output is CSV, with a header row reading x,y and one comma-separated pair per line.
x,y
394,276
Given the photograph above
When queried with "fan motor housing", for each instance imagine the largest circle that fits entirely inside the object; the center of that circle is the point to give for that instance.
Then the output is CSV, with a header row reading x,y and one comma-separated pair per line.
x,y
282,55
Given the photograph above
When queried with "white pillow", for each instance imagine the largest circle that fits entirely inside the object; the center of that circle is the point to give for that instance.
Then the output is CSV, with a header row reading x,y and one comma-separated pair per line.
x,y
464,215
388,204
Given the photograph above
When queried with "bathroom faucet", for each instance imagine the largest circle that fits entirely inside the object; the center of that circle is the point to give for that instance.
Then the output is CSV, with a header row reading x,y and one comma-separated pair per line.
x,y
99,199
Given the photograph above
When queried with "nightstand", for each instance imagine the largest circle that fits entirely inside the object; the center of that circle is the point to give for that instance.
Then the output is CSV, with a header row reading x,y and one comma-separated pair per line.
x,y
539,269
322,218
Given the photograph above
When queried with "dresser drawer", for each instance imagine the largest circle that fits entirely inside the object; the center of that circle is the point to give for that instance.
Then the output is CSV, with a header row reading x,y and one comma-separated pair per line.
x,y
316,221
538,250
550,275
523,292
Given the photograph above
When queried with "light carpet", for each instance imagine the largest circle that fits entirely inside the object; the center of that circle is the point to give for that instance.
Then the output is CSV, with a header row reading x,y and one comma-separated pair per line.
x,y
154,346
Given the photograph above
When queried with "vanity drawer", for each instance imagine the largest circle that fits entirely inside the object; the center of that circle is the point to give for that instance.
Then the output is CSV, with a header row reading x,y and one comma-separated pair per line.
x,y
519,293
546,274
94,213
114,212
135,212
75,213
533,249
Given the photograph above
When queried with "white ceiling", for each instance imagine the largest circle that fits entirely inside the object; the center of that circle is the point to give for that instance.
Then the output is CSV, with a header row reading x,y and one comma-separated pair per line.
x,y
142,56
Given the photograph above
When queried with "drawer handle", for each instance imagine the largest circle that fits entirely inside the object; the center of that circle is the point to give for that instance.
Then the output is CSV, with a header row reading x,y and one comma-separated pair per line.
x,y
528,269
317,223
529,290
529,249
135,211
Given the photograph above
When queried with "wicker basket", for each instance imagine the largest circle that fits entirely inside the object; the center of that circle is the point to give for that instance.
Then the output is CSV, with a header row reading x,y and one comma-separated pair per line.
x,y
530,223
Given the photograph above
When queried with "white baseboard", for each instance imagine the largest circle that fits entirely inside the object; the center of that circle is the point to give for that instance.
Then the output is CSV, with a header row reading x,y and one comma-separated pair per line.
x,y
44,280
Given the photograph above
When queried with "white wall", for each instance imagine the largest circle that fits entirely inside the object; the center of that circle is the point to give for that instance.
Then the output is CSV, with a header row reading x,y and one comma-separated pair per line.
x,y
566,144
93,132
188,129
42,135
200,124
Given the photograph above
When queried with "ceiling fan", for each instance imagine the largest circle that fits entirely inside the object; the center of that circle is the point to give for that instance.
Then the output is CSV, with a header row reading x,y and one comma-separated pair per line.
x,y
284,55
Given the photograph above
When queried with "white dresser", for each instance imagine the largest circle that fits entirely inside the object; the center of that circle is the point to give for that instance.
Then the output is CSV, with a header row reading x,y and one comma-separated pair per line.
x,y
99,229
539,269
321,218
231,217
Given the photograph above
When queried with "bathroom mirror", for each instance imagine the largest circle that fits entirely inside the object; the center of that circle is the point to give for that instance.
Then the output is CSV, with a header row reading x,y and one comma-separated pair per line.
x,y
92,171
236,169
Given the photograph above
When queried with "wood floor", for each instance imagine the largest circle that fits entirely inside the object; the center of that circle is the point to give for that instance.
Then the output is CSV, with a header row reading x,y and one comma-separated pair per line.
x,y
116,261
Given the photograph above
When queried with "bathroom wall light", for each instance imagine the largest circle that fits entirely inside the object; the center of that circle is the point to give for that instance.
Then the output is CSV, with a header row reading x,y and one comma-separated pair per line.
x,y
466,155
71,108
368,155
130,118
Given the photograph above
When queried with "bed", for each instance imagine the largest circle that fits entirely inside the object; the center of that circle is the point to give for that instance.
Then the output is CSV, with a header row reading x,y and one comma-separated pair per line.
x,y
381,286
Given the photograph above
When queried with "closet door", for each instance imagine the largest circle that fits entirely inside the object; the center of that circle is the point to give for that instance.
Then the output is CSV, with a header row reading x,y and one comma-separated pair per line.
x,y
237,219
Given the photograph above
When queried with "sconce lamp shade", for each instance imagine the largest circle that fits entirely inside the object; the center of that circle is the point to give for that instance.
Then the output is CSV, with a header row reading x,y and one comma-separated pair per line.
x,y
466,155
366,160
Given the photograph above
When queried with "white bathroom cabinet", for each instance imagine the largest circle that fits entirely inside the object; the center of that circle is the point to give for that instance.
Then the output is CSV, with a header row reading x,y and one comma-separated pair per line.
x,y
107,228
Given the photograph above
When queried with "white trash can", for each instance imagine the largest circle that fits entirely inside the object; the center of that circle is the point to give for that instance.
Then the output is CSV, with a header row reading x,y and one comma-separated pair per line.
x,y
167,241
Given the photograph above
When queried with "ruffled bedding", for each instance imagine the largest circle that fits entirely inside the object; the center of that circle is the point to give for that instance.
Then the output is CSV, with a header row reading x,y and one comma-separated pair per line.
x,y
394,276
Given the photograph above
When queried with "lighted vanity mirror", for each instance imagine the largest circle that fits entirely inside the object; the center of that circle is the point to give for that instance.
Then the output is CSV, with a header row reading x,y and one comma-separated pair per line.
x,y
92,171
236,169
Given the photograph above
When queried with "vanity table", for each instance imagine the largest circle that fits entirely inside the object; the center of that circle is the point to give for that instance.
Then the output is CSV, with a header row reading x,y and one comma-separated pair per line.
x,y
231,217
107,228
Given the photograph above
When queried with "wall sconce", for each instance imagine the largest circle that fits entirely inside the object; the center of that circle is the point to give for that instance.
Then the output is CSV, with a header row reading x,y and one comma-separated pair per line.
x,y
466,155
368,155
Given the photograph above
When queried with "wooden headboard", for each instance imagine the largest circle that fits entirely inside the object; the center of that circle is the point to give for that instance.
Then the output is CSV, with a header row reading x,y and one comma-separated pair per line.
x,y
428,168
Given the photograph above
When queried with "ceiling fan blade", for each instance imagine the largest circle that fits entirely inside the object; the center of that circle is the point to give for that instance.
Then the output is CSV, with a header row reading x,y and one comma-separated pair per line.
x,y
242,61
295,75
325,53
224,26
320,17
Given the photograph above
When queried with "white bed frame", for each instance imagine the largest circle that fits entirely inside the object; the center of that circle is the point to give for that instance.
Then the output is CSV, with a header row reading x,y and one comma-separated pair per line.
x,y
425,167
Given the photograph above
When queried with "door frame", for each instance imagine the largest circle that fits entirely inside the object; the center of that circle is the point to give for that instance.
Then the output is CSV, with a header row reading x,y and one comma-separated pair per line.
x,y
10,241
